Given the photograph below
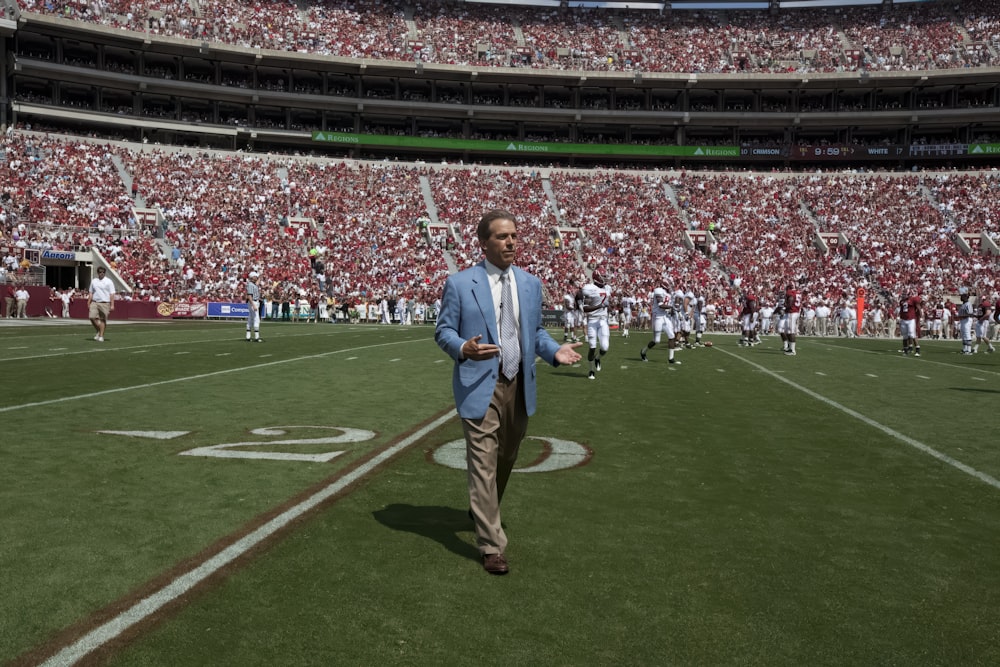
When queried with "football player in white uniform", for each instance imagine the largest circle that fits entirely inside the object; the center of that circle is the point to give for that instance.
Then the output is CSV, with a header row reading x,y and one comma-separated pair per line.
x,y
689,324
628,304
569,313
579,320
679,314
683,314
782,315
596,300
966,317
699,318
663,323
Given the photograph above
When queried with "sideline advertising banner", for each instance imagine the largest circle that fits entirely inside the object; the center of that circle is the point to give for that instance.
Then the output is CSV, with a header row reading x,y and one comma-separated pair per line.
x,y
186,310
227,310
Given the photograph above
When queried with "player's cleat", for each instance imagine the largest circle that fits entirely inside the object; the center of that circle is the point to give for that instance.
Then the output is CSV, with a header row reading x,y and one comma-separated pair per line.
x,y
100,339
592,376
597,364
674,361
97,336
790,353
642,353
258,340
916,354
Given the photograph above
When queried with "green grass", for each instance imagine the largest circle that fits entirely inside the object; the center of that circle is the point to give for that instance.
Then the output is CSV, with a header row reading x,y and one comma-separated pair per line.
x,y
726,516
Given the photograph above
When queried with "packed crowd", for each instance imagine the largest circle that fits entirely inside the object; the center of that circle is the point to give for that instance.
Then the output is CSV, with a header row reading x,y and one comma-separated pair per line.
x,y
368,231
803,40
462,195
632,229
361,231
754,217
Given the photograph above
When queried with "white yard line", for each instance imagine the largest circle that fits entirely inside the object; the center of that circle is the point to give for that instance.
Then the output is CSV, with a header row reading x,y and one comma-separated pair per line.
x,y
905,439
201,376
187,581
923,360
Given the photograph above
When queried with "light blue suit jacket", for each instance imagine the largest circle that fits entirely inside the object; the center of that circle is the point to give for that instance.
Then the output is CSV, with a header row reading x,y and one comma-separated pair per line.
x,y
467,311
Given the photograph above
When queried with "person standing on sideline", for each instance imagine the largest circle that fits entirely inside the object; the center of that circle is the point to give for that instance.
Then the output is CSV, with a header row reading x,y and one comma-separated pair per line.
x,y
822,318
966,317
490,324
793,304
100,302
253,308
10,299
22,302
65,297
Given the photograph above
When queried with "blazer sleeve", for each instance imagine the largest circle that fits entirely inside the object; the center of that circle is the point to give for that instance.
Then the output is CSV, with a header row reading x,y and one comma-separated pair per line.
x,y
449,320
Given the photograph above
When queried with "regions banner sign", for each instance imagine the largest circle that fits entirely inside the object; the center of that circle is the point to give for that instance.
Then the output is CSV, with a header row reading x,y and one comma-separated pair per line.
x,y
983,150
524,147
803,153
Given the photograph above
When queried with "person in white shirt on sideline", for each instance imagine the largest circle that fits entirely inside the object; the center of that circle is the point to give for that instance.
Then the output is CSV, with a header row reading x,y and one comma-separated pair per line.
x,y
100,302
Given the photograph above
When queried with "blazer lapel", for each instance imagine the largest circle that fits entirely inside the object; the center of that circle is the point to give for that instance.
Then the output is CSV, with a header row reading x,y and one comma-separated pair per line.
x,y
483,295
523,304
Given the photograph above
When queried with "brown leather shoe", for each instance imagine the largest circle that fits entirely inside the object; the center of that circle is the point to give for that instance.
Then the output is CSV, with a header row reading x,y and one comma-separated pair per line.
x,y
495,564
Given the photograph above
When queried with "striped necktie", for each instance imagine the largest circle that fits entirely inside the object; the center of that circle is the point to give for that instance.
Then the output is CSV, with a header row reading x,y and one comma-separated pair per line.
x,y
510,351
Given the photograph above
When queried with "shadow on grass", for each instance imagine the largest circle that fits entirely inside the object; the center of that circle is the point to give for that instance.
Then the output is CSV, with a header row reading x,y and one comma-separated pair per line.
x,y
976,390
441,524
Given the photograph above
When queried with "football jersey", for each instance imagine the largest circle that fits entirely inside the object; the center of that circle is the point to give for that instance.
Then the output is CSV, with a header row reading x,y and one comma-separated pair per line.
x,y
793,301
908,307
596,296
678,301
661,302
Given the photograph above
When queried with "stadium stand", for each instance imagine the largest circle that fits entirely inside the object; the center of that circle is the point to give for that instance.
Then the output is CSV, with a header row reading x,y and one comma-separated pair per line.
x,y
384,227
229,213
804,40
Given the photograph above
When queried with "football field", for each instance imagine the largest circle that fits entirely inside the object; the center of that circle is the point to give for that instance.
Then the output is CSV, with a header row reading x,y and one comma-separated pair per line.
x,y
177,496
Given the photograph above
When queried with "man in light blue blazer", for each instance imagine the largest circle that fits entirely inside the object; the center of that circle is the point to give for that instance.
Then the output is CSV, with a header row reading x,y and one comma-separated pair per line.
x,y
490,323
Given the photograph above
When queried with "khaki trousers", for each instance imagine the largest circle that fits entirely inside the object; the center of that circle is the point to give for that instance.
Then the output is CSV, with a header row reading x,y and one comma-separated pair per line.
x,y
491,446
